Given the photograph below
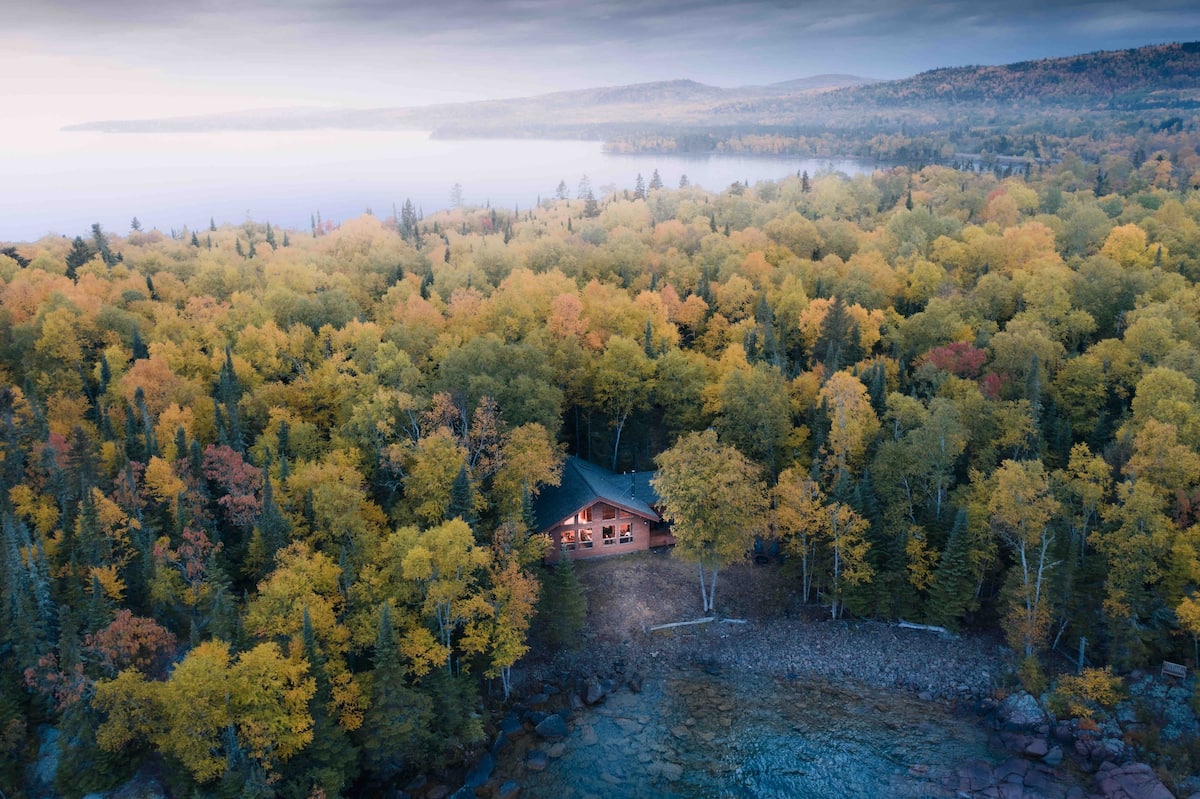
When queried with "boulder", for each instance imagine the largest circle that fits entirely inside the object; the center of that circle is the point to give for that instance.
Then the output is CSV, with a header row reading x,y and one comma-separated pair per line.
x,y
594,693
537,760
511,725
975,775
508,790
481,772
1054,756
552,728
636,682
1131,781
1037,748
1022,711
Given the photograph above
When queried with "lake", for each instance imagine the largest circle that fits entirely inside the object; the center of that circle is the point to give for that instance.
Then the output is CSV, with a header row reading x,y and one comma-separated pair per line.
x,y
56,182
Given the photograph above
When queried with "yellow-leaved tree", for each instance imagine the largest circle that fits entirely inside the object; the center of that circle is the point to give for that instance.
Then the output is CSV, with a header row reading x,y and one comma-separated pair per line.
x,y
715,501
1021,509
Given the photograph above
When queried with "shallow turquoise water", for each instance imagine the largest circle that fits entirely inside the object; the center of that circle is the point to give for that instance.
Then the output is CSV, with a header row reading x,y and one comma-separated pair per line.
x,y
694,734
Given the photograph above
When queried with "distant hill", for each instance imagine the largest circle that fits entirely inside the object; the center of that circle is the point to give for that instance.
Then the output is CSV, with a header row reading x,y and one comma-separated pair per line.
x,y
1153,77
821,82
571,113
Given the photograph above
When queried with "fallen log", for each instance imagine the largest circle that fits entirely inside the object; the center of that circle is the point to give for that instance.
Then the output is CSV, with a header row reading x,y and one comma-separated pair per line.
x,y
909,625
705,620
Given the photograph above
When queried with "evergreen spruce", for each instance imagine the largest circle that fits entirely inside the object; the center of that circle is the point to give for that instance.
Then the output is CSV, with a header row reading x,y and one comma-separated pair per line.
x,y
77,257
462,499
562,605
330,761
396,726
953,587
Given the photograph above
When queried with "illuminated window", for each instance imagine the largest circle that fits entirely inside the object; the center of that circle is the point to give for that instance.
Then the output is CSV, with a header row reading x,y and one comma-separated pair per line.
x,y
568,539
608,534
585,515
626,531
585,538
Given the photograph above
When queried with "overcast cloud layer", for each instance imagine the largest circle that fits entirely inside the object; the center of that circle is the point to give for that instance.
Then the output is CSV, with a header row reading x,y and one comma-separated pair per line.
x,y
77,60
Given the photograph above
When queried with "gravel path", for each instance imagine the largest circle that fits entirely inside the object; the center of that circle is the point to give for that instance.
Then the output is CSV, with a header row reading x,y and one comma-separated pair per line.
x,y
629,594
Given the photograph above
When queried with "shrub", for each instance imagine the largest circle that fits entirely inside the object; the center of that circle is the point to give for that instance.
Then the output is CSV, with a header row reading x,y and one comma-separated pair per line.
x,y
1081,696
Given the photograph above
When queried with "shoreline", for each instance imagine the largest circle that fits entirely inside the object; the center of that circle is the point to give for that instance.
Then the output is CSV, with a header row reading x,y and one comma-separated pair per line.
x,y
779,637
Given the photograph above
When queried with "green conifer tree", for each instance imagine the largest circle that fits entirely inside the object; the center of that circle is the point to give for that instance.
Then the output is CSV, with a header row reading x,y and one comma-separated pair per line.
x,y
953,588
399,717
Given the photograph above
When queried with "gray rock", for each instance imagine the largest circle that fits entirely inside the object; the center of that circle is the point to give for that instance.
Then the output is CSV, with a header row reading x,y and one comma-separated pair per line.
x,y
1022,711
537,760
1131,781
1037,748
1111,749
1054,756
552,728
481,772
636,682
975,775
508,790
594,692
510,725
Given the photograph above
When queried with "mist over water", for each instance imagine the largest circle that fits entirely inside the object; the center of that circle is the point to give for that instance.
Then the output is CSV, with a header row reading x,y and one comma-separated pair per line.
x,y
56,182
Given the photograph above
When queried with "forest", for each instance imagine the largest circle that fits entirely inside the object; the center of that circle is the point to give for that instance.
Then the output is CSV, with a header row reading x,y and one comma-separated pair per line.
x,y
265,494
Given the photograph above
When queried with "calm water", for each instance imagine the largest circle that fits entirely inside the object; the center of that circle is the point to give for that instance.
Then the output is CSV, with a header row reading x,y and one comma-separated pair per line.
x,y
693,734
54,182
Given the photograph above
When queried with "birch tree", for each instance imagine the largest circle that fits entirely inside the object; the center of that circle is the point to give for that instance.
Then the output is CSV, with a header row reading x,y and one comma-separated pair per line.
x,y
716,504
1021,509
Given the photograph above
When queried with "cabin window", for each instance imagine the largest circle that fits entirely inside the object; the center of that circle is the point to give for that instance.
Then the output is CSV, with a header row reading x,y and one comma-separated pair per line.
x,y
608,533
568,539
585,538
585,515
608,512
626,532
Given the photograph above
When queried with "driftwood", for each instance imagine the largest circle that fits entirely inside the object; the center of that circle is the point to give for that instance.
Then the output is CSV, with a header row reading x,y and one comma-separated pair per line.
x,y
908,625
705,620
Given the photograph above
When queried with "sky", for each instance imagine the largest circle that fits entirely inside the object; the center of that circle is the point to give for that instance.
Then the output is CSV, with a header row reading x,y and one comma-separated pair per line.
x,y
84,60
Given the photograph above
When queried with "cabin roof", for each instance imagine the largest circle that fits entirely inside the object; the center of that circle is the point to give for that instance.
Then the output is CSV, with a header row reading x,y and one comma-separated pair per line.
x,y
584,484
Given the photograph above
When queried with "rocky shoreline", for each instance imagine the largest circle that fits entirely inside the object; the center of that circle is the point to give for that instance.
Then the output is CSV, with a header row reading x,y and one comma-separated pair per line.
x,y
1071,759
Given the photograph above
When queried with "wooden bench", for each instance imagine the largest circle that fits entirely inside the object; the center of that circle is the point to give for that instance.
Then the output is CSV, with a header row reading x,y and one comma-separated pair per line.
x,y
1174,670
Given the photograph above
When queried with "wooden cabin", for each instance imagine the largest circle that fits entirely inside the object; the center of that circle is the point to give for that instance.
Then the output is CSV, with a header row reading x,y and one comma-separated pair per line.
x,y
594,512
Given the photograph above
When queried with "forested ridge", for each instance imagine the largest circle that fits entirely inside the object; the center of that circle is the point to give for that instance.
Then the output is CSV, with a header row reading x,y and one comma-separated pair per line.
x,y
266,494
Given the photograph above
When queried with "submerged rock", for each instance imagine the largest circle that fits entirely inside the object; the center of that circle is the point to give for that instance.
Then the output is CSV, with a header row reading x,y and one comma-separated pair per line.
x,y
481,771
552,728
594,692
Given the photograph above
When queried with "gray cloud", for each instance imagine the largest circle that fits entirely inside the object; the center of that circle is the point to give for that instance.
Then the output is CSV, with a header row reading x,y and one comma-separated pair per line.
x,y
380,52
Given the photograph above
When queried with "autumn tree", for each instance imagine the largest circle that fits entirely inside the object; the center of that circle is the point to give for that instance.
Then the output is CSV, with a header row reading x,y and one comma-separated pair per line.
x,y
800,521
1022,510
716,504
